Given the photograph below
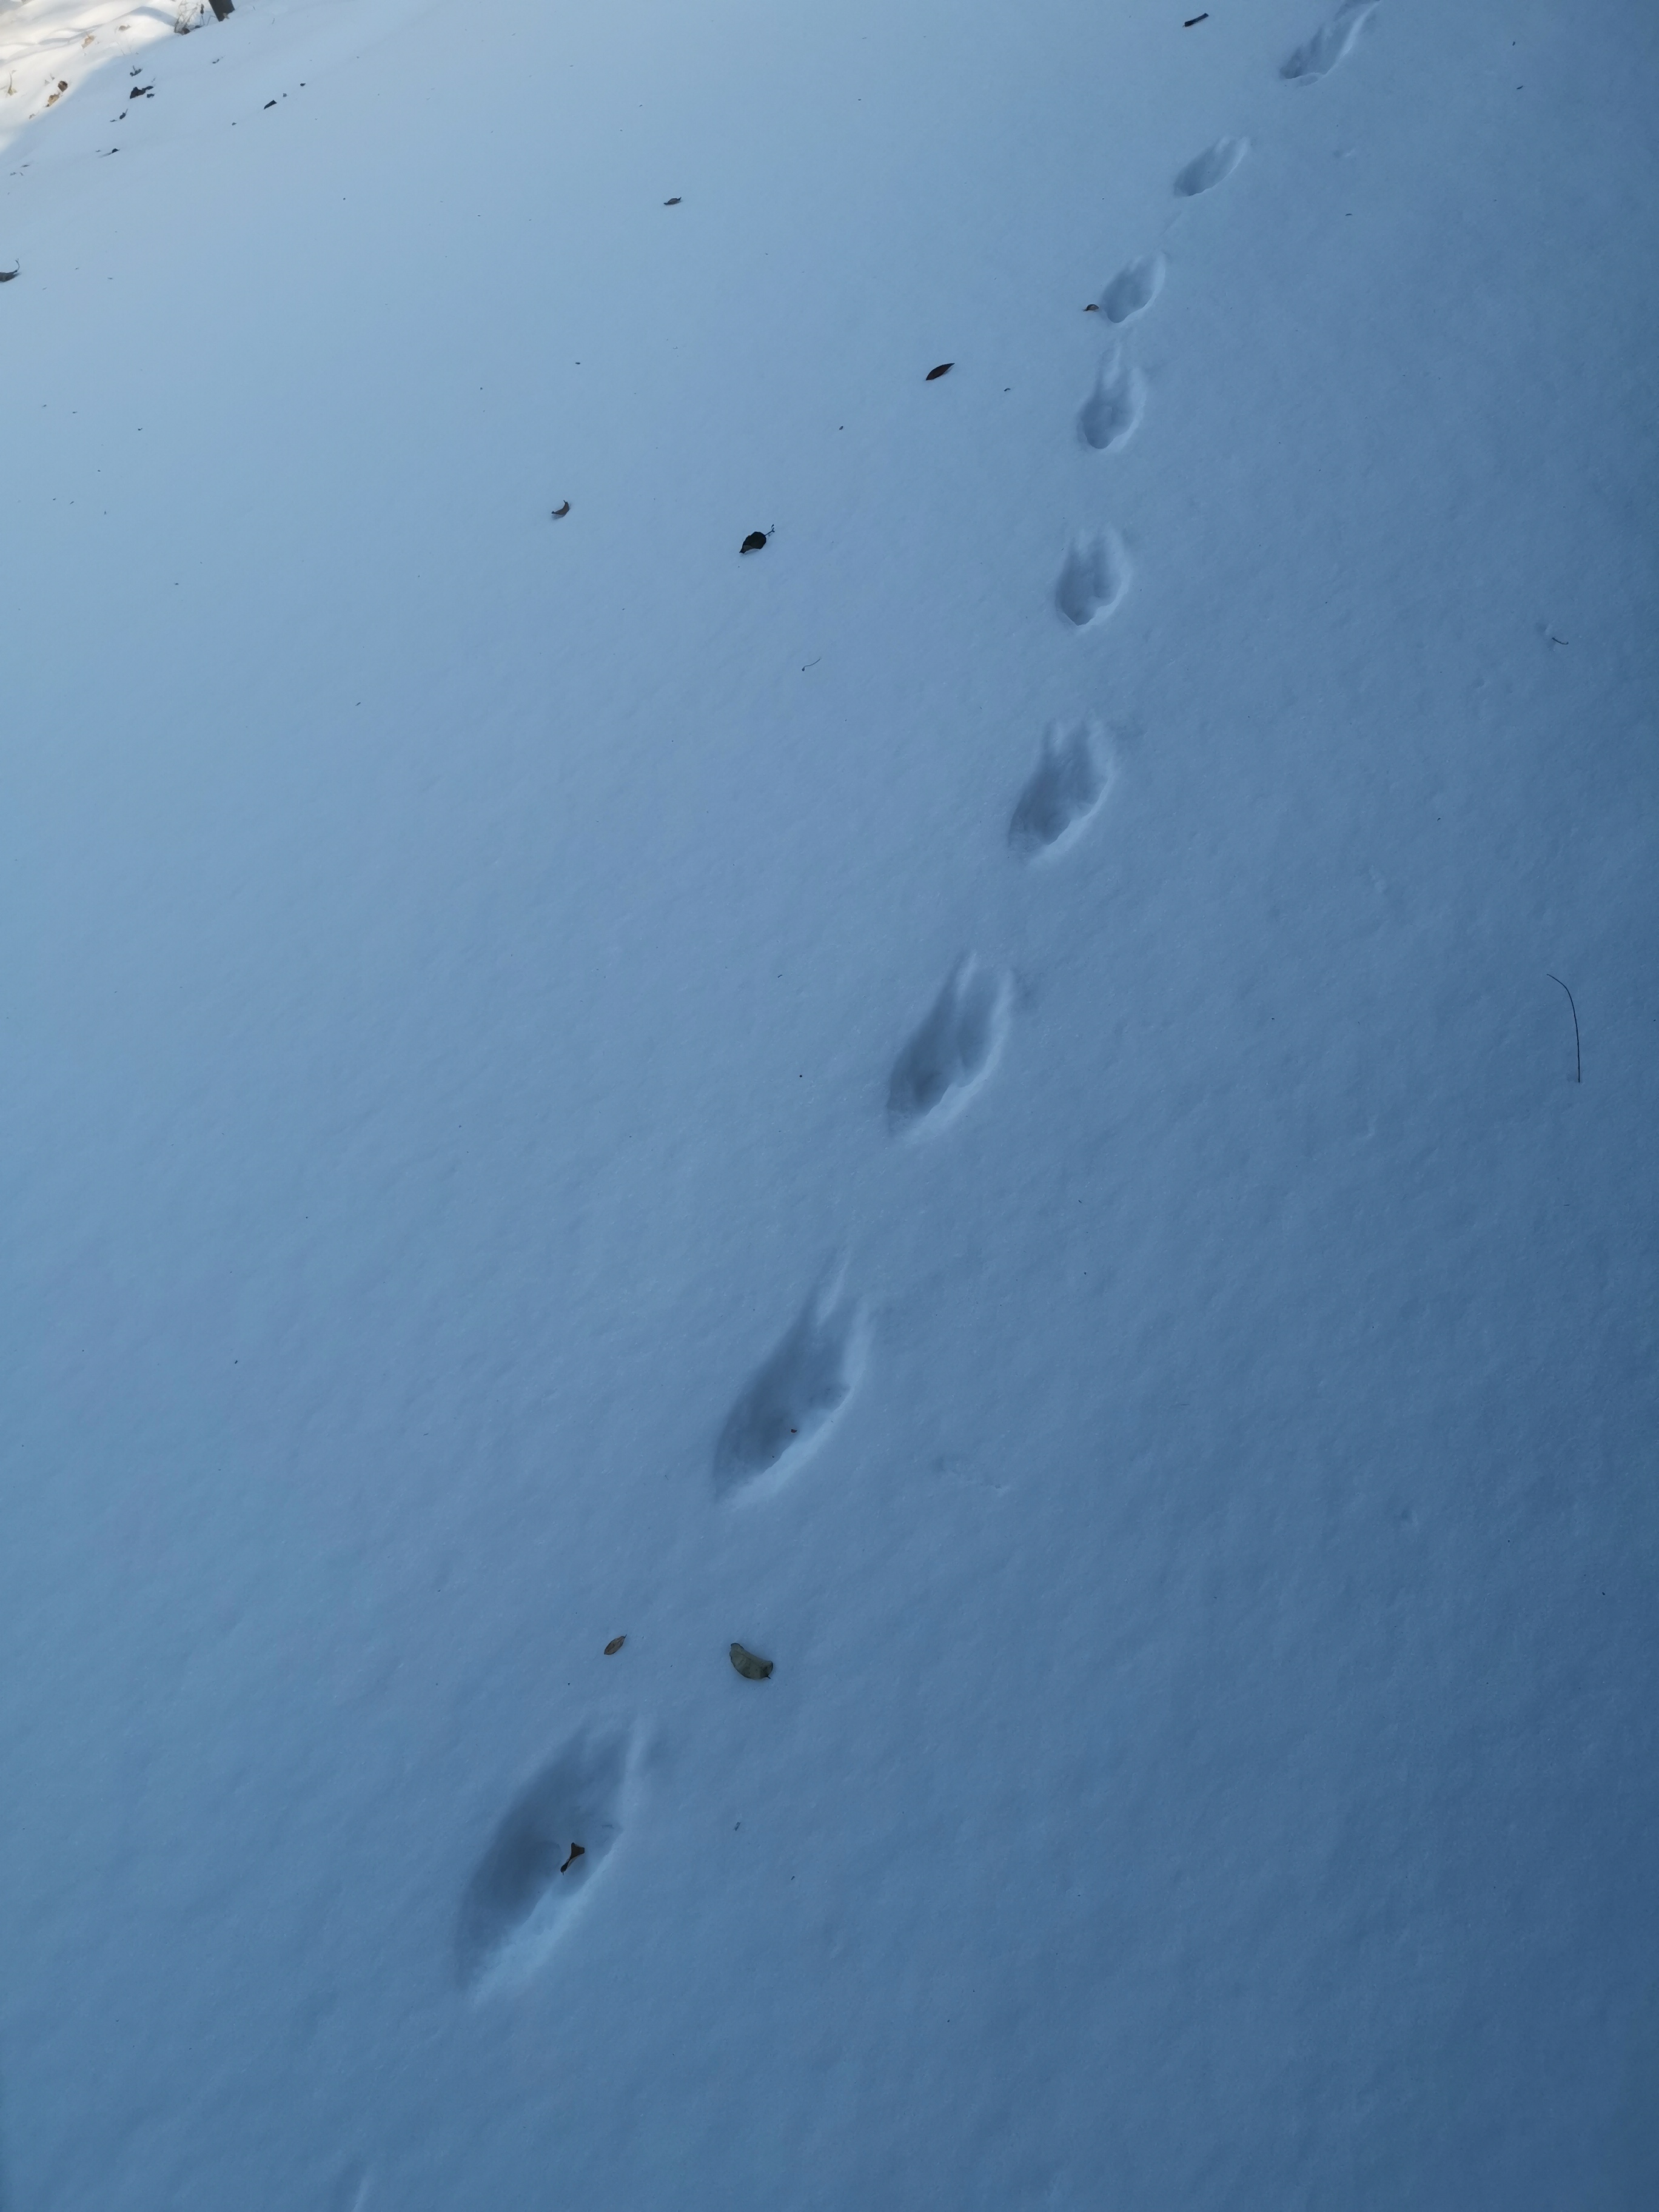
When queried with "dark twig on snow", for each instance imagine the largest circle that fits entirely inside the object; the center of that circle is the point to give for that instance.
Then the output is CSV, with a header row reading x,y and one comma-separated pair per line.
x,y
1579,1050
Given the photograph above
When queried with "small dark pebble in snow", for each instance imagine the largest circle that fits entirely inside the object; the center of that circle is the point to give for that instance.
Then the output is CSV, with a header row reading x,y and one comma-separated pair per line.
x,y
558,511
943,369
754,543
750,1664
614,1646
673,203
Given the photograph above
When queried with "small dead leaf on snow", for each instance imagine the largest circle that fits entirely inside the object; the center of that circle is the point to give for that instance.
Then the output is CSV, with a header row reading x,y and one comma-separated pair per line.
x,y
614,1646
943,369
560,511
673,203
577,1852
754,543
6,275
750,1664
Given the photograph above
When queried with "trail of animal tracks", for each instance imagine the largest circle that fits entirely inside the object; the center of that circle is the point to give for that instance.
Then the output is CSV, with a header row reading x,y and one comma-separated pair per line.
x,y
831,1369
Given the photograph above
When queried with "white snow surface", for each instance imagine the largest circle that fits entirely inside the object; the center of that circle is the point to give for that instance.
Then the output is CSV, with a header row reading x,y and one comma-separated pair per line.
x,y
977,1101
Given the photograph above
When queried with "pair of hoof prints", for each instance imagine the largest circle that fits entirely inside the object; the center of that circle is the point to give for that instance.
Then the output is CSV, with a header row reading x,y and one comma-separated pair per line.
x,y
547,1852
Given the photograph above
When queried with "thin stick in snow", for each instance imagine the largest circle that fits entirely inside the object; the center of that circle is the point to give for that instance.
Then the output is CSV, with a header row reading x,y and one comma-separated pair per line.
x,y
1578,1052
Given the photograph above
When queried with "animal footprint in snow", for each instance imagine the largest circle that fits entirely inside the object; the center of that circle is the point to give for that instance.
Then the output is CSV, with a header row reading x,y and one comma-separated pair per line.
x,y
1328,47
545,1856
1113,408
952,1052
353,2193
795,1393
1134,288
1212,167
1094,578
1065,787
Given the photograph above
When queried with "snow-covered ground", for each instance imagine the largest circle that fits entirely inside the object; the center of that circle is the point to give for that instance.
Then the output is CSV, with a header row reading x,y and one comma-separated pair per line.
x,y
977,1101
53,50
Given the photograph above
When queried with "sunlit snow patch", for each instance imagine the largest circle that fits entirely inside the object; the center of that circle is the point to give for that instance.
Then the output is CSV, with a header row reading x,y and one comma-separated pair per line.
x,y
45,44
